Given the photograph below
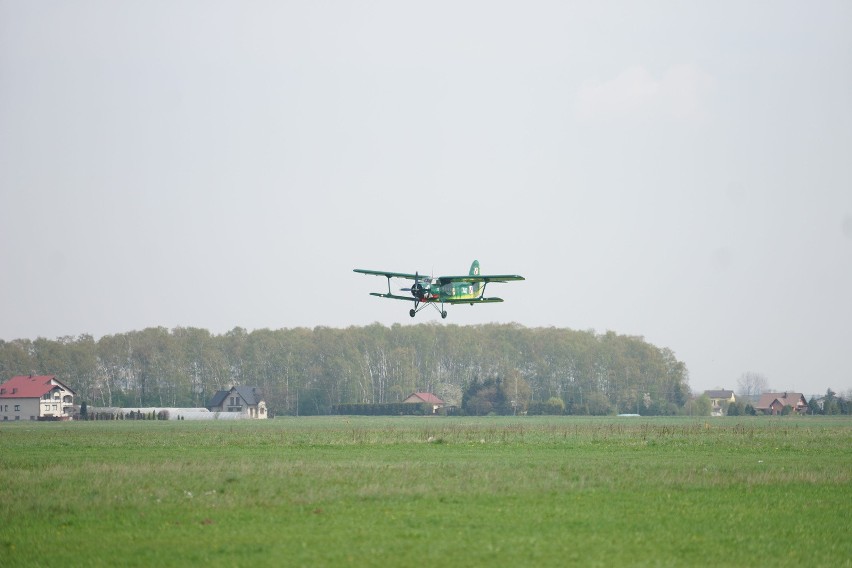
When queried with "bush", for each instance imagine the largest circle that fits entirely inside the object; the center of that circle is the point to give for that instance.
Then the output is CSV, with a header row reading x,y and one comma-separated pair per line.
x,y
736,409
597,404
553,406
484,398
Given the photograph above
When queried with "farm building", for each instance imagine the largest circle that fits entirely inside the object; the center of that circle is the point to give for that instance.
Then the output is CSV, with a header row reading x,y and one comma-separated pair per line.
x,y
774,402
427,397
36,397
241,400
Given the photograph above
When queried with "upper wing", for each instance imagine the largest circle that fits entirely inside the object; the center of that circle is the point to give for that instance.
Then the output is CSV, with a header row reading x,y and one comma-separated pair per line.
x,y
482,278
387,274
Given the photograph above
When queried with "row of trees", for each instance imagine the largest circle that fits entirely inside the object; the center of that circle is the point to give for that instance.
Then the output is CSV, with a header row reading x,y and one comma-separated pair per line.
x,y
84,414
307,371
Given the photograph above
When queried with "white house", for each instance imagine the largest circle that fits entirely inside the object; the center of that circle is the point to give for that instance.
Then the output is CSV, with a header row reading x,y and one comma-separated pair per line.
x,y
720,399
244,400
33,397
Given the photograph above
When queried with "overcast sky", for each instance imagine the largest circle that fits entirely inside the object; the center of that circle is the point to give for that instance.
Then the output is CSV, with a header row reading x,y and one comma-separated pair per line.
x,y
680,171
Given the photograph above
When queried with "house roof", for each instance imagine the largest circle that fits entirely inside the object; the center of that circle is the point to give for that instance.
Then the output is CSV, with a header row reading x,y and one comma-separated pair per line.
x,y
218,398
719,393
30,386
426,397
793,399
251,395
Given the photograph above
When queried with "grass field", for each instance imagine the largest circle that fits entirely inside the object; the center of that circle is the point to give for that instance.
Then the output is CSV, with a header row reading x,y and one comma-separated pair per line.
x,y
357,491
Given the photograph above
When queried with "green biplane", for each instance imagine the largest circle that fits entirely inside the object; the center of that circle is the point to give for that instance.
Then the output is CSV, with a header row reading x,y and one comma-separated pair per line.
x,y
427,291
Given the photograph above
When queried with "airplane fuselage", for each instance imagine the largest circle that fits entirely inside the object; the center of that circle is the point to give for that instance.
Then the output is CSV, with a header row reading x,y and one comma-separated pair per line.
x,y
435,292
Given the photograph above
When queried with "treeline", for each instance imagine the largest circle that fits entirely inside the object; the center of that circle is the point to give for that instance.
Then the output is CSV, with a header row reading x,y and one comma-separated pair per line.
x,y
308,371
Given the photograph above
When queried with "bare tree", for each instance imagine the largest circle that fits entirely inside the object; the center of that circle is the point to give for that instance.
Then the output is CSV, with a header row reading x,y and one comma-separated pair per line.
x,y
752,384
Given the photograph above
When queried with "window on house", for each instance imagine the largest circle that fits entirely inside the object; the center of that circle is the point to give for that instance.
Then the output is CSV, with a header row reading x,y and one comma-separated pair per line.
x,y
17,408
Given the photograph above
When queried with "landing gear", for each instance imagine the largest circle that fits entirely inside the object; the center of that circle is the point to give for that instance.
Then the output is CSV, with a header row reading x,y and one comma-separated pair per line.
x,y
420,304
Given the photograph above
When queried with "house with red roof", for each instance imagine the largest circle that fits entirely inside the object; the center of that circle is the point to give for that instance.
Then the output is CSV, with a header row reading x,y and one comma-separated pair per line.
x,y
34,397
427,397
774,402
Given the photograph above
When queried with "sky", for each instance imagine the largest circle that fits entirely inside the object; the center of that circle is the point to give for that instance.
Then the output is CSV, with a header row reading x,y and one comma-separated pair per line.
x,y
680,171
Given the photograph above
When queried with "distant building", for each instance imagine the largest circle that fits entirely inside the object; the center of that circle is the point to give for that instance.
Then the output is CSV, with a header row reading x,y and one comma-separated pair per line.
x,y
34,397
425,397
245,400
774,402
720,399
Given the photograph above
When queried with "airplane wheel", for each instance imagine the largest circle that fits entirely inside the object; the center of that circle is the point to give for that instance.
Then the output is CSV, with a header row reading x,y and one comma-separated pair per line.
x,y
411,313
444,315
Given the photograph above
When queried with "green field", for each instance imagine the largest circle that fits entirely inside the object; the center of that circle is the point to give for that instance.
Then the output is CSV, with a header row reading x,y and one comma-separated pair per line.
x,y
347,491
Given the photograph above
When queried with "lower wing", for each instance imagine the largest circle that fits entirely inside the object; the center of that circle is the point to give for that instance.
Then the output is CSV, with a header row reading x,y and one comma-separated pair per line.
x,y
445,300
472,300
393,296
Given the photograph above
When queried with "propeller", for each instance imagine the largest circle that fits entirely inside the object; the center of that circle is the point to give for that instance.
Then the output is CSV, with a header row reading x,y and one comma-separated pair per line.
x,y
417,290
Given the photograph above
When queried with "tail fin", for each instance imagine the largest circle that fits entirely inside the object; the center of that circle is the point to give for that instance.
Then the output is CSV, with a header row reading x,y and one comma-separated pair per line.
x,y
474,271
